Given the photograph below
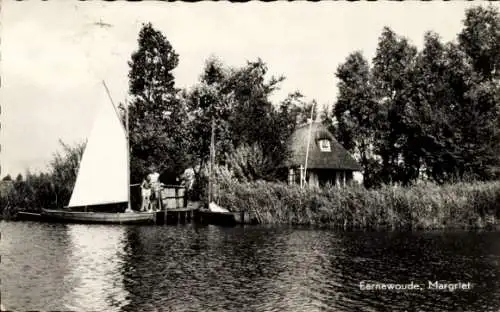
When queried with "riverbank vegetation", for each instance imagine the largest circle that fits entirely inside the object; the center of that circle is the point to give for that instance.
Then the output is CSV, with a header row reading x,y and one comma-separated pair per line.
x,y
425,206
51,189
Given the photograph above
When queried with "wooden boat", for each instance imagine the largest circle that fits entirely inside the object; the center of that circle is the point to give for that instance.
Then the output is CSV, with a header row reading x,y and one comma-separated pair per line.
x,y
103,175
28,216
214,214
98,217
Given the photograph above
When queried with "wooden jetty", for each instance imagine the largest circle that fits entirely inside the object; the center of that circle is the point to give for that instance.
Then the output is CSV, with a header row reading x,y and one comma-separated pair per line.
x,y
174,207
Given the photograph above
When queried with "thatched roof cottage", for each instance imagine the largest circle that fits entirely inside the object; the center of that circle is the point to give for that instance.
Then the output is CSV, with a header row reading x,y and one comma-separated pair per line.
x,y
328,162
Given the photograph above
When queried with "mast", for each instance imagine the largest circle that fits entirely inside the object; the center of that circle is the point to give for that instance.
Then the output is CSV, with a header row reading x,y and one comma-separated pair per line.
x,y
212,159
127,131
308,142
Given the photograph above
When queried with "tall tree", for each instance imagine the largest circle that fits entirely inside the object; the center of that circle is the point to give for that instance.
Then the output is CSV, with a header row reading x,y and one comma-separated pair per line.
x,y
253,111
392,66
158,117
431,135
480,40
355,113
356,106
238,100
207,101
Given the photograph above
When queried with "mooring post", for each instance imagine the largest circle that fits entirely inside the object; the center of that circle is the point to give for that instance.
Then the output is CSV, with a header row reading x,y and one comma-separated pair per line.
x,y
165,213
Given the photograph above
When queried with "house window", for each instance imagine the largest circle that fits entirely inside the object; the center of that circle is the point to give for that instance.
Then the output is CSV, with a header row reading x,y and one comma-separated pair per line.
x,y
324,146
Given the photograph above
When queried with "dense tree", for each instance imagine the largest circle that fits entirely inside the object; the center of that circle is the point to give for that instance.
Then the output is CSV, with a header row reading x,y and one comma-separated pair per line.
x,y
238,100
431,113
356,107
207,103
480,40
253,112
158,116
392,66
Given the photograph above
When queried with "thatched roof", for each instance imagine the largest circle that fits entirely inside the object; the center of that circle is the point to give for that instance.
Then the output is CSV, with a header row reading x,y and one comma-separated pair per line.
x,y
337,158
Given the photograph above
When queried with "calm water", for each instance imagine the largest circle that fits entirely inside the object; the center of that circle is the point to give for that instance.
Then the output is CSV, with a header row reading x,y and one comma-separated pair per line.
x,y
189,268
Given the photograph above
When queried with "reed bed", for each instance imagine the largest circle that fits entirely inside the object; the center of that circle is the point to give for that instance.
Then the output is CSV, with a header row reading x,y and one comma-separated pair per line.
x,y
425,206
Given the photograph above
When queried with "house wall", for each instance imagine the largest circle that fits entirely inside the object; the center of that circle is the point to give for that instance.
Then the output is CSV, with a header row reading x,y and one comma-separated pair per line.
x,y
333,177
323,177
313,179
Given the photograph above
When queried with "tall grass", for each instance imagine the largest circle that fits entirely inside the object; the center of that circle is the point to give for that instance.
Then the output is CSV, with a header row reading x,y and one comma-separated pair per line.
x,y
426,206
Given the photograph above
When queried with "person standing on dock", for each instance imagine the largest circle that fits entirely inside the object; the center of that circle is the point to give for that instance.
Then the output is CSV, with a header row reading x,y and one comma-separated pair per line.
x,y
146,194
154,179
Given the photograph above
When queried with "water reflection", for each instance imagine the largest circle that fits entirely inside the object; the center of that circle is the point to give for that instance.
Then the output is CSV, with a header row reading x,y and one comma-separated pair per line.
x,y
300,284
189,268
96,258
208,268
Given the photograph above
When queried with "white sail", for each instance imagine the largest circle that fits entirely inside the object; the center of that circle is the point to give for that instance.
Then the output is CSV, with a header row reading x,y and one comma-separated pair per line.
x,y
102,176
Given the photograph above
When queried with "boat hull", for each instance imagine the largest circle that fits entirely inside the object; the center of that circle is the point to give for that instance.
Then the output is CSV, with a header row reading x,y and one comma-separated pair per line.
x,y
230,218
98,217
205,216
28,216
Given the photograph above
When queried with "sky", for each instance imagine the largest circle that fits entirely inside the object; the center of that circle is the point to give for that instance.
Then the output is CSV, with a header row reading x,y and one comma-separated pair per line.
x,y
55,54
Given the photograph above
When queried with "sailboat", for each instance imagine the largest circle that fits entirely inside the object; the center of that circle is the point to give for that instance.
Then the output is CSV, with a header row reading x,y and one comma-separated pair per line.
x,y
102,183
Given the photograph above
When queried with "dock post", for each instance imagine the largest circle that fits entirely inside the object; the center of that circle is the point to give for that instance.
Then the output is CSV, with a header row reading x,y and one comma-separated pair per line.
x,y
177,198
165,216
